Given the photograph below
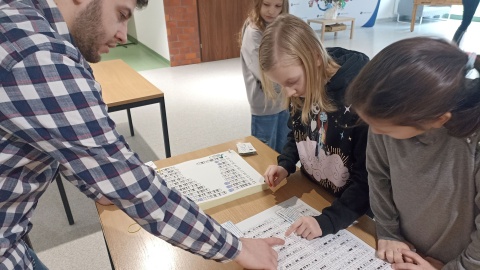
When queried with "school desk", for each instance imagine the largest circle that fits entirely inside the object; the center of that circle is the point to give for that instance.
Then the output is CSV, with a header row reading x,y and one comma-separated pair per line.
x,y
123,89
417,3
141,250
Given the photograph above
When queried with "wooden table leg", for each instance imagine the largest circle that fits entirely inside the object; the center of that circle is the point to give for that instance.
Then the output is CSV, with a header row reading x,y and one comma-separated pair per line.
x,y
351,30
414,15
323,31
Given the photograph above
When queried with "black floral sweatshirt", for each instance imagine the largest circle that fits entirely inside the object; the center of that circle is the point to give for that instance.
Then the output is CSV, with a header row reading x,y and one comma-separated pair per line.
x,y
331,148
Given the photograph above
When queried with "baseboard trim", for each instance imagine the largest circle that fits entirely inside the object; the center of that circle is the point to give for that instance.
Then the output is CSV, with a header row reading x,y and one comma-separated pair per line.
x,y
388,19
135,41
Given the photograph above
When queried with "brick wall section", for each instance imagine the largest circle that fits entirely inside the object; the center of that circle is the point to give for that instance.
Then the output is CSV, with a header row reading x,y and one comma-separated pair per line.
x,y
182,31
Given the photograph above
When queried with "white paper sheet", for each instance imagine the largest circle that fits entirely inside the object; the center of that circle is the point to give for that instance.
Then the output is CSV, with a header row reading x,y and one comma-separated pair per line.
x,y
341,251
213,180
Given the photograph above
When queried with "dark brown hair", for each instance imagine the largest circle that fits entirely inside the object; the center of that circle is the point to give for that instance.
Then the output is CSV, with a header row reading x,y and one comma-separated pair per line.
x,y
415,81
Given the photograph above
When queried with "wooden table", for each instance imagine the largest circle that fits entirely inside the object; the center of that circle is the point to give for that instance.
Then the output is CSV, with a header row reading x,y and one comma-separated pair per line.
x,y
142,250
324,22
417,3
123,88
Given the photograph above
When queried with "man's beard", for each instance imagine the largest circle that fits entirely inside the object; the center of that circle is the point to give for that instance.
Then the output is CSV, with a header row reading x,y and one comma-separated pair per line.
x,y
87,31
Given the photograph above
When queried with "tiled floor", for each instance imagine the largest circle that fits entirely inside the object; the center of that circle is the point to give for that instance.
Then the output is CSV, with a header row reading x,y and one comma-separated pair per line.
x,y
206,105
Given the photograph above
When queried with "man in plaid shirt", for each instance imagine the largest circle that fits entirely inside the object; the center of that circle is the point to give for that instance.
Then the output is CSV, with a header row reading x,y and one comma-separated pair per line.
x,y
52,117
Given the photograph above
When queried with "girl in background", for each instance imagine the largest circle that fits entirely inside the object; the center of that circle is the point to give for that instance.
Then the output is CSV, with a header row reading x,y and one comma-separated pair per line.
x,y
423,154
324,137
269,117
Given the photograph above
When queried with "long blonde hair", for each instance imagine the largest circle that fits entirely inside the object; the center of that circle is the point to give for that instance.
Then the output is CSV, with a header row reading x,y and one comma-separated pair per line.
x,y
254,18
294,42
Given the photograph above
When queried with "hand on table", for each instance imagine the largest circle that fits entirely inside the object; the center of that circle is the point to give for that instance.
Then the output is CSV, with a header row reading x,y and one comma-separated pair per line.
x,y
390,251
418,263
258,253
306,227
274,175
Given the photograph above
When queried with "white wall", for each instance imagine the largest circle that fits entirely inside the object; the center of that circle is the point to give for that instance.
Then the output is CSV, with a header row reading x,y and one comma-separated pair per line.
x,y
458,10
386,9
149,27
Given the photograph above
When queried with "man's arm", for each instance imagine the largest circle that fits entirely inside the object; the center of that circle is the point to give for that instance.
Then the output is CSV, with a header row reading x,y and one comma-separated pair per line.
x,y
55,106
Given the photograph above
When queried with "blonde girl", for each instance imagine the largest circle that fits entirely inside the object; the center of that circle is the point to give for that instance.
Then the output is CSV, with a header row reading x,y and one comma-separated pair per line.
x,y
324,137
269,117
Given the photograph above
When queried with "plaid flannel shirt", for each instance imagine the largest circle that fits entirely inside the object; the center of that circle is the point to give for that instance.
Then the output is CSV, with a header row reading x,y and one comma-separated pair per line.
x,y
52,117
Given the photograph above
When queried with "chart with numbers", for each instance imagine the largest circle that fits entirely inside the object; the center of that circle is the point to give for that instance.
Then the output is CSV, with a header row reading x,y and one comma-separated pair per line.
x,y
340,251
214,179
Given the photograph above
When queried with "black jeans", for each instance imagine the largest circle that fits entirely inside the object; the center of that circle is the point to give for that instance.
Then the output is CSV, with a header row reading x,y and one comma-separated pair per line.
x,y
469,8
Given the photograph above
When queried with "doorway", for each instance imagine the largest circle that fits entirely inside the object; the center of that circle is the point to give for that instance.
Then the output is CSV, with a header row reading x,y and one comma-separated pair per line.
x,y
220,21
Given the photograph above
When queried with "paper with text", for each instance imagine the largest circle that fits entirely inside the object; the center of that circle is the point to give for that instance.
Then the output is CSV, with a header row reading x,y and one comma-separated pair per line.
x,y
213,180
340,251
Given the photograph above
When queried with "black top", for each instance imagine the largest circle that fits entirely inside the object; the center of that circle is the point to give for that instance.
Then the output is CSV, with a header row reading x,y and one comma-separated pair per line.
x,y
332,148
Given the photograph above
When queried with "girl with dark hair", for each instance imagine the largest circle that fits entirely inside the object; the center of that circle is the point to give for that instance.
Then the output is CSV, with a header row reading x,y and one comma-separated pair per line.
x,y
423,153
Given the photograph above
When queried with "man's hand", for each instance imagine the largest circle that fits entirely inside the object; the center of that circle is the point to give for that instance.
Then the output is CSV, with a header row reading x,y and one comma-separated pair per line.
x,y
258,253
104,201
418,263
274,175
390,251
306,227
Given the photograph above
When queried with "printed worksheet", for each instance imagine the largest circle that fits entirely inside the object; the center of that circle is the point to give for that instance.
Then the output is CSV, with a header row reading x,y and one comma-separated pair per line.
x,y
340,251
213,180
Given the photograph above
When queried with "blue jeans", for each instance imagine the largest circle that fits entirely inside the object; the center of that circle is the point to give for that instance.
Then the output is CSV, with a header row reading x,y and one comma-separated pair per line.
x,y
271,129
37,264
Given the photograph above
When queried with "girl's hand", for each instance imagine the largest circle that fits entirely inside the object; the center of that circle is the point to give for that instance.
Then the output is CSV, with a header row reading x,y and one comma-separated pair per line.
x,y
274,175
390,251
306,227
418,263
